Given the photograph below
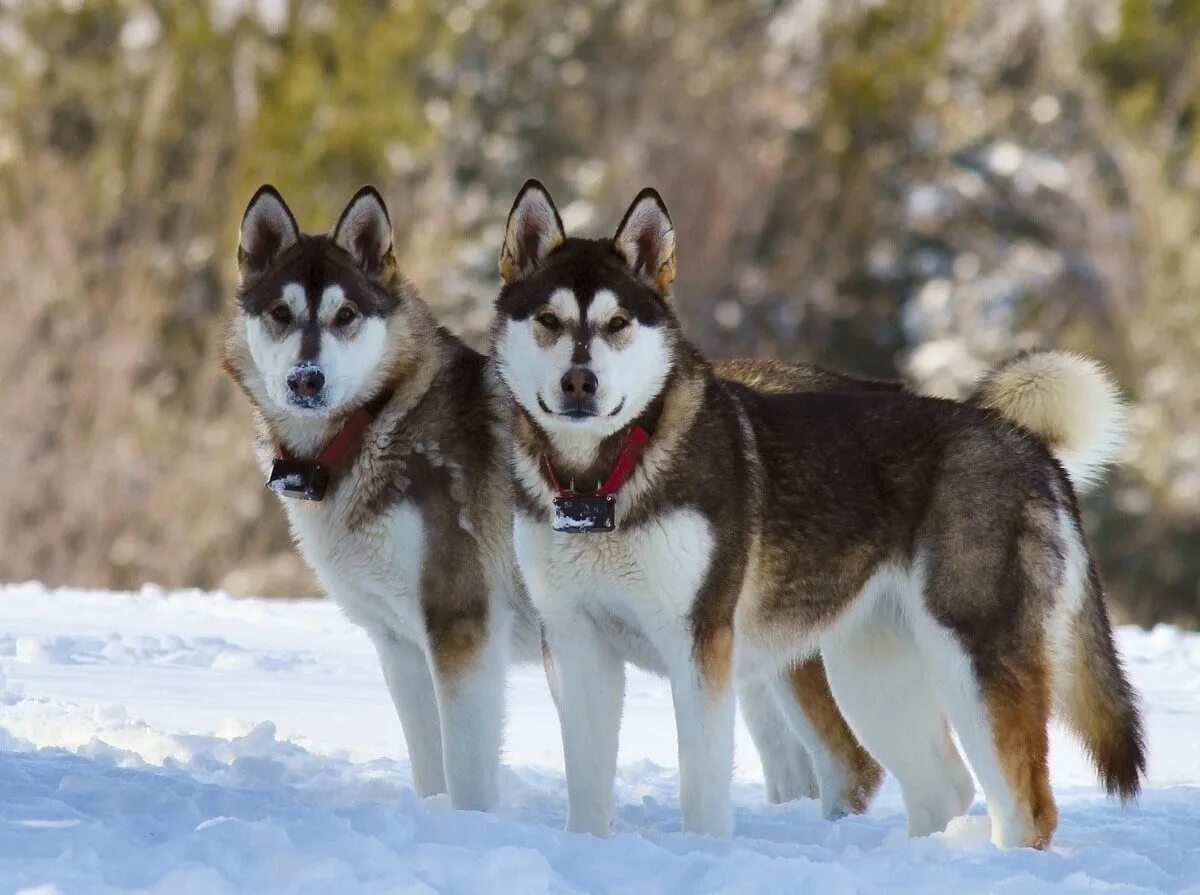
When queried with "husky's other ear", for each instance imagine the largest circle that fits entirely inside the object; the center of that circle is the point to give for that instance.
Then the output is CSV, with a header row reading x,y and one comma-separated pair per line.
x,y
646,238
534,231
365,231
268,230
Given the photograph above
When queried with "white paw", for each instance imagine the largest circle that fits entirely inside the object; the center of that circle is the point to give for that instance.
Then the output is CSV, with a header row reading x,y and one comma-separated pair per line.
x,y
923,823
789,780
836,810
590,823
480,799
718,824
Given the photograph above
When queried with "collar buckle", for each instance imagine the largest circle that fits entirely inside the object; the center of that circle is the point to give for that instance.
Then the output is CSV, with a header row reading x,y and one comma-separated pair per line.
x,y
299,479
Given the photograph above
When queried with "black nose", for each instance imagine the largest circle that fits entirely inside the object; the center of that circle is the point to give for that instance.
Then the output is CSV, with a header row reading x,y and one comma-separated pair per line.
x,y
579,383
306,382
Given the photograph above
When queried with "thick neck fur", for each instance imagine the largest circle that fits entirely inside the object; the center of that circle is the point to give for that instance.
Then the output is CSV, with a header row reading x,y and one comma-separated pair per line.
x,y
586,460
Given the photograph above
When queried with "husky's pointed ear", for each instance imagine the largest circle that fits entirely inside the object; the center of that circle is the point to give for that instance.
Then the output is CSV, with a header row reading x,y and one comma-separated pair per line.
x,y
365,231
534,231
268,230
646,239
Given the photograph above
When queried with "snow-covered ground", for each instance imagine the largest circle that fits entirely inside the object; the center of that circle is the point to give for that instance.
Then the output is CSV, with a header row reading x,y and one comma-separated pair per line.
x,y
192,743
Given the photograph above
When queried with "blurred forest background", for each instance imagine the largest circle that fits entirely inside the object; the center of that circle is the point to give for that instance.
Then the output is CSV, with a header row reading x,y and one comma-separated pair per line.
x,y
911,188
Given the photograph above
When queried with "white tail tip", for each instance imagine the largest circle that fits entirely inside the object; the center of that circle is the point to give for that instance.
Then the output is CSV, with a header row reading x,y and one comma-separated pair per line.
x,y
1071,402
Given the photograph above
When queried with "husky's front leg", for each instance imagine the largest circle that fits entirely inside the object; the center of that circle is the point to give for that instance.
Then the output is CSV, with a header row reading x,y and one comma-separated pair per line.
x,y
704,715
588,680
406,671
470,661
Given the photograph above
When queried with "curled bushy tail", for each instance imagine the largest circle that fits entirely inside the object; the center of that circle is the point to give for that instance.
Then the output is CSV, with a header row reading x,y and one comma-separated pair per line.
x,y
1097,702
1069,401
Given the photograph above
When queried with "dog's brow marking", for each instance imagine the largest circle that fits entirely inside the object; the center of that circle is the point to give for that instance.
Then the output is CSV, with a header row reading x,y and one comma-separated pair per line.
x,y
296,299
604,305
331,299
565,304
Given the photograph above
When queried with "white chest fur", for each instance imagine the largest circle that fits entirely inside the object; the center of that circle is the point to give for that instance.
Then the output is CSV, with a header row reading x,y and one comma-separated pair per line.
x,y
374,571
640,585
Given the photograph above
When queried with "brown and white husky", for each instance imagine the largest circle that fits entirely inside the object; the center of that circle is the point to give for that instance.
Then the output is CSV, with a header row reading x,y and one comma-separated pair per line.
x,y
930,550
386,438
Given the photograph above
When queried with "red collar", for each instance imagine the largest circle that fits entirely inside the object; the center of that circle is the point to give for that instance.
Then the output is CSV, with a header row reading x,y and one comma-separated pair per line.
x,y
341,444
345,441
631,451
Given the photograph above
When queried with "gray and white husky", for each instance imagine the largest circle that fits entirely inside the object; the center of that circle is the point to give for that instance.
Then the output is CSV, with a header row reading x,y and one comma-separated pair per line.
x,y
930,550
399,428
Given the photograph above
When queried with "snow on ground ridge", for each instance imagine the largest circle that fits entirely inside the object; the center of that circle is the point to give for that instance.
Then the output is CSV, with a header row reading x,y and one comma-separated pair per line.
x,y
189,742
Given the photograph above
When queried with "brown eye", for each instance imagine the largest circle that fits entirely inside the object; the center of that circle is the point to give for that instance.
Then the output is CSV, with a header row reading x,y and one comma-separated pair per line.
x,y
281,313
345,316
617,323
549,320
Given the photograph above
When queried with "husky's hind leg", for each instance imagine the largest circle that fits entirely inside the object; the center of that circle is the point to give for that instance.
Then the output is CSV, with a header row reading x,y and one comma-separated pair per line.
x,y
881,684
996,691
847,775
861,775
